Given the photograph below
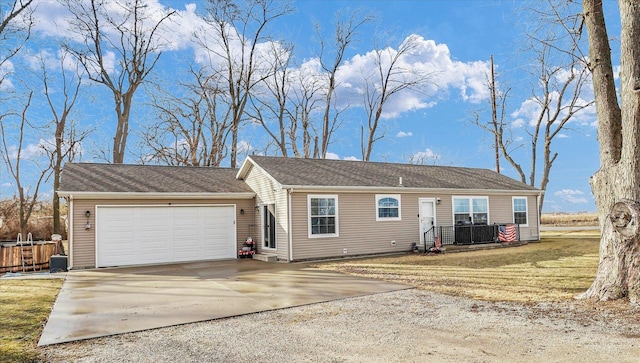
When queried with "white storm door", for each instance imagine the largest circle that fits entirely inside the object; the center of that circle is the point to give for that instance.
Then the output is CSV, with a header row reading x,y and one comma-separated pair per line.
x,y
427,218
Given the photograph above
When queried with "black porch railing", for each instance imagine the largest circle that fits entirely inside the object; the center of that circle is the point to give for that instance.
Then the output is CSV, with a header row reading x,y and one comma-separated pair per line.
x,y
468,234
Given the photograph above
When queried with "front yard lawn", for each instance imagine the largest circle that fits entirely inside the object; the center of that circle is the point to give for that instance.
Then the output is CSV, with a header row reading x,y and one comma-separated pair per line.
x,y
25,305
557,268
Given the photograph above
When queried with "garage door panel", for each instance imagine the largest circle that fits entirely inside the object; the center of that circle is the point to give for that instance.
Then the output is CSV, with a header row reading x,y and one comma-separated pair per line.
x,y
131,235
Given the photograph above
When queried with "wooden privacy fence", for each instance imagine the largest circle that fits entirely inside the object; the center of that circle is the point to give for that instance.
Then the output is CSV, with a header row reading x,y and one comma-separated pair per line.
x,y
11,259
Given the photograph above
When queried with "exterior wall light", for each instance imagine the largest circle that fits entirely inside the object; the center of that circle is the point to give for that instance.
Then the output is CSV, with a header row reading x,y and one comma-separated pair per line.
x,y
88,225
438,200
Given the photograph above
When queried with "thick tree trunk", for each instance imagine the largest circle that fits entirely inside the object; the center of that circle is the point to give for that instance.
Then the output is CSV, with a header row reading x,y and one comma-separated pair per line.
x,y
615,185
618,273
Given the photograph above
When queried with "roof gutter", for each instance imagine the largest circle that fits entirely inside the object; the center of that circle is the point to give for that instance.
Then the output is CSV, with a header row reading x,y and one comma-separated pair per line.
x,y
139,195
364,189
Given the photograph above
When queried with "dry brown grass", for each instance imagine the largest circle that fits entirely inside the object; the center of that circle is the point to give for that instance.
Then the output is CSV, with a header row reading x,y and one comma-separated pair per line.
x,y
557,268
25,305
569,219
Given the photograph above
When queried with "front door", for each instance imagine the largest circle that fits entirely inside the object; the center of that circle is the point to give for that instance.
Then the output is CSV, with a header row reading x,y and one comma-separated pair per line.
x,y
427,219
269,226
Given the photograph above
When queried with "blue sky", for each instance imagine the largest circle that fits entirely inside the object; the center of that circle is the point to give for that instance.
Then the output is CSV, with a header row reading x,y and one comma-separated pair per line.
x,y
456,39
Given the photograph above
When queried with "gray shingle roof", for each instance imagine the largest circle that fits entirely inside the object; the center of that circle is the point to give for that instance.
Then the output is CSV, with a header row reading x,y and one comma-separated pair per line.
x,y
344,173
115,178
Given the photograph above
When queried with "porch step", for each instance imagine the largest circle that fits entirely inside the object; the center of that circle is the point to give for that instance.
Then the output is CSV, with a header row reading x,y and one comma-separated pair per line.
x,y
265,257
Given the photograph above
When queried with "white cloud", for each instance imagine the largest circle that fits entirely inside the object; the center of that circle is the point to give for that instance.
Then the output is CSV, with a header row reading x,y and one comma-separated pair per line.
x,y
352,158
573,196
424,157
332,156
31,152
54,60
426,58
54,20
530,109
404,134
6,69
244,147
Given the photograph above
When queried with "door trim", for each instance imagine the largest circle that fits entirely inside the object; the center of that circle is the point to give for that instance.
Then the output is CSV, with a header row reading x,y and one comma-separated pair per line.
x,y
420,201
274,234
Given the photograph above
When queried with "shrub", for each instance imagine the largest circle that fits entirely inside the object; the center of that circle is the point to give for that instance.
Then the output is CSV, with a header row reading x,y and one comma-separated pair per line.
x,y
40,224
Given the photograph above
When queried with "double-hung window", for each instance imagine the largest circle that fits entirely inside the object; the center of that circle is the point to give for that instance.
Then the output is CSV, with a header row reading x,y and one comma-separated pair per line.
x,y
471,209
388,207
323,215
520,211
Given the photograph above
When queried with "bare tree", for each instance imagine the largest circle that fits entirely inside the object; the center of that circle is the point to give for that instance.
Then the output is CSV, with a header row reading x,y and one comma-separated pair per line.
x,y
497,125
191,131
238,28
305,102
14,159
344,35
559,79
615,184
390,77
559,103
271,108
132,34
61,101
12,35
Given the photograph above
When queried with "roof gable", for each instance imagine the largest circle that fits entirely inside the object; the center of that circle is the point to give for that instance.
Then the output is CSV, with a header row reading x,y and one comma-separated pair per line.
x,y
298,172
123,178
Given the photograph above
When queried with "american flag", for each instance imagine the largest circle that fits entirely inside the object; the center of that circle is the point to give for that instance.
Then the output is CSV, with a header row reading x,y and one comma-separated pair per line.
x,y
507,233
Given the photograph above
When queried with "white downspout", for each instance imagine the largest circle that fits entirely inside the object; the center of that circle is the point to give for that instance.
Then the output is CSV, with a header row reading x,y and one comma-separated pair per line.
x,y
70,231
539,212
290,218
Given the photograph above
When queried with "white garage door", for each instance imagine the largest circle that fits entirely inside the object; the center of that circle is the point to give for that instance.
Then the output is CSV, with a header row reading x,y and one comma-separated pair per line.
x,y
136,235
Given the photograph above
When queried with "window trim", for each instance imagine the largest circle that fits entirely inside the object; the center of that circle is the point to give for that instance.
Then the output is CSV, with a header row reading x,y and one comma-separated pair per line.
x,y
526,209
470,198
385,219
309,216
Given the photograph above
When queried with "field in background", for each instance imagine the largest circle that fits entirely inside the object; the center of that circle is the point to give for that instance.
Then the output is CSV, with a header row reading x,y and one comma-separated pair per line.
x,y
569,219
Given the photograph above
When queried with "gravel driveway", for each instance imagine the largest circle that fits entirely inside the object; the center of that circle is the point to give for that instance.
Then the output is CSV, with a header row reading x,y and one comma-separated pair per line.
x,y
402,326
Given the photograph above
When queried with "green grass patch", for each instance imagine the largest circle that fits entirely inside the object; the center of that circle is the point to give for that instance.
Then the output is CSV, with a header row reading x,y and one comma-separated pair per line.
x,y
557,268
25,305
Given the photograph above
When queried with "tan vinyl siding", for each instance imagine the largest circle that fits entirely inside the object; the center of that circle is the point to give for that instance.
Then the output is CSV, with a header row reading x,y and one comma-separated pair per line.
x,y
358,230
268,192
83,245
360,233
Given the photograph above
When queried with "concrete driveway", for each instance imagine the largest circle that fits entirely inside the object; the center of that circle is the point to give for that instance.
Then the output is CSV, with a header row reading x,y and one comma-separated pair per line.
x,y
102,302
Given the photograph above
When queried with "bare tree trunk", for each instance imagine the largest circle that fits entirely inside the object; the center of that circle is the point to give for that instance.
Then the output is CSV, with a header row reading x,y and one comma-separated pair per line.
x,y
345,33
615,185
390,77
137,46
494,118
29,198
66,139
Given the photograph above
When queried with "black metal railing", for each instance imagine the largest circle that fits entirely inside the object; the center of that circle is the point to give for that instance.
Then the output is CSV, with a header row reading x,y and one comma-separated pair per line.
x,y
468,234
